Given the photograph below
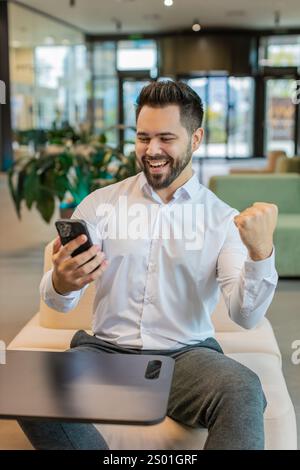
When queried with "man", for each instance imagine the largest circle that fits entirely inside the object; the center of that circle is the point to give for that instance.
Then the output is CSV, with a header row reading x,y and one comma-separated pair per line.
x,y
156,293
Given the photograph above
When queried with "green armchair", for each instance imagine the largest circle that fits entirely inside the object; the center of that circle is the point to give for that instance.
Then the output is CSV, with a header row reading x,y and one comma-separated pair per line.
x,y
288,165
241,191
272,157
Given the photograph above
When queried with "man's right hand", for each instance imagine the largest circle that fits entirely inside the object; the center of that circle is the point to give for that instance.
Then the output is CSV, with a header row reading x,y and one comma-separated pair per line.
x,y
71,274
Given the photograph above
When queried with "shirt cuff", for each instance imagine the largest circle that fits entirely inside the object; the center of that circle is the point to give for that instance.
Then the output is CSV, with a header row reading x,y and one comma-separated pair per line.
x,y
52,294
260,269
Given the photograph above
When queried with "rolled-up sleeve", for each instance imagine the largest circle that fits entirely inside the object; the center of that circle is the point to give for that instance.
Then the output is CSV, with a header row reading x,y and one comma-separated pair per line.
x,y
248,286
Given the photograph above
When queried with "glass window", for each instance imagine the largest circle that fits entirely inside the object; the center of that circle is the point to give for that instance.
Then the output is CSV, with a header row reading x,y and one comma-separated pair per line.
x,y
131,90
49,73
105,59
50,97
137,55
240,107
106,114
280,116
22,88
200,86
106,108
216,117
228,115
280,51
61,90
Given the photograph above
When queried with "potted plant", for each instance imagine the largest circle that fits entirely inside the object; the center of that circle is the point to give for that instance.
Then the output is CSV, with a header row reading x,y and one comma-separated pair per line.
x,y
66,177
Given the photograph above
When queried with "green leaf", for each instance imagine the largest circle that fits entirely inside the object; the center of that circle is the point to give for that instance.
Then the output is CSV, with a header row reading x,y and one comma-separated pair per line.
x,y
44,163
31,186
55,184
11,174
20,191
61,186
46,205
102,138
19,172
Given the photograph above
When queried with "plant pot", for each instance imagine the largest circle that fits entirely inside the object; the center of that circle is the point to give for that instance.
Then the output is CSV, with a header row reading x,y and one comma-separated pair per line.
x,y
66,211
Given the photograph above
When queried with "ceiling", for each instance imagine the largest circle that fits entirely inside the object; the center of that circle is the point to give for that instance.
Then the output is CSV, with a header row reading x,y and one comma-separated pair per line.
x,y
147,16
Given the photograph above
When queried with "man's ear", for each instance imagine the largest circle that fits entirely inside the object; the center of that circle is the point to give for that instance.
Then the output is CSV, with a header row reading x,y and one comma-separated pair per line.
x,y
197,138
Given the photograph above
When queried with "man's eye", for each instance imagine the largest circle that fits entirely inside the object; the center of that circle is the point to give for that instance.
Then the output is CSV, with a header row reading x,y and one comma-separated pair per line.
x,y
167,140
143,139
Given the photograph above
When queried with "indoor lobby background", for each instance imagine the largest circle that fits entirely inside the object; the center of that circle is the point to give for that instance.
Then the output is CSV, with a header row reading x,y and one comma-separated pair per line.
x,y
70,73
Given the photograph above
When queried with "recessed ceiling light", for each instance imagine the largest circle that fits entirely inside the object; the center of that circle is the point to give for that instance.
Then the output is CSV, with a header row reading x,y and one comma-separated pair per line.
x,y
168,3
196,26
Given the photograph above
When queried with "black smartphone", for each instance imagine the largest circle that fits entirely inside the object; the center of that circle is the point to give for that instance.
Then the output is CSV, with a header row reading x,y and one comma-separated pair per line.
x,y
68,229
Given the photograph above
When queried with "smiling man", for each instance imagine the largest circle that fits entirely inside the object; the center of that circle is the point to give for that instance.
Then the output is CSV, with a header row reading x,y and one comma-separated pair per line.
x,y
165,156
156,296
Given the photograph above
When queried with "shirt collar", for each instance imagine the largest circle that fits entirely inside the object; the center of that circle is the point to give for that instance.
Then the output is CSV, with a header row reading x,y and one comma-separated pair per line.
x,y
190,188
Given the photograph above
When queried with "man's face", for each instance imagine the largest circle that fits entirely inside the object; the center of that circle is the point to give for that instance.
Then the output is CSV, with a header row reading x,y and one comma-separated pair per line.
x,y
163,146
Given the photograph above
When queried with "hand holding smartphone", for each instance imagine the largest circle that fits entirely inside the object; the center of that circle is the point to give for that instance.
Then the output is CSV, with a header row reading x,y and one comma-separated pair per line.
x,y
76,261
69,229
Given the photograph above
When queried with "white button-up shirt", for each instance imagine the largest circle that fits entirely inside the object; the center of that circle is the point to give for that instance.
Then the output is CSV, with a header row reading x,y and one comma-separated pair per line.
x,y
159,291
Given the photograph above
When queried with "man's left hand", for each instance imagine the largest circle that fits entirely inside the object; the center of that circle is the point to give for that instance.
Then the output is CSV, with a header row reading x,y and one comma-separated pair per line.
x,y
256,225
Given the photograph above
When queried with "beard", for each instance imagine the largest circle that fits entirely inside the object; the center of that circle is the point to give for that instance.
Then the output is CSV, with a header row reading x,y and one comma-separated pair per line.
x,y
173,168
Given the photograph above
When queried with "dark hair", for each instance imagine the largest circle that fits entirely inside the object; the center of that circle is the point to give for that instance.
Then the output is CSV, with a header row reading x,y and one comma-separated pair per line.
x,y
164,93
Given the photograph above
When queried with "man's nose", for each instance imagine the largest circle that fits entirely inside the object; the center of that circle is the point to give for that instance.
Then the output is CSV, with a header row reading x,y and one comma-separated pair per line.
x,y
154,147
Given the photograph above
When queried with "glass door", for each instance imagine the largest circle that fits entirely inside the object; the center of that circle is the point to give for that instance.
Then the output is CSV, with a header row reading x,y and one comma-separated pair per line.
x,y
213,93
280,115
200,86
240,117
217,117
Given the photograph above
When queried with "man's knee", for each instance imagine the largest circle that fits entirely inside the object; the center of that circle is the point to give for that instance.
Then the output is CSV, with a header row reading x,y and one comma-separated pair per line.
x,y
245,389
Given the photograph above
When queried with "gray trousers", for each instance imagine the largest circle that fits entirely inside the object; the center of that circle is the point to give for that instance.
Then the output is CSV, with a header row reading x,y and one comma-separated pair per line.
x,y
208,390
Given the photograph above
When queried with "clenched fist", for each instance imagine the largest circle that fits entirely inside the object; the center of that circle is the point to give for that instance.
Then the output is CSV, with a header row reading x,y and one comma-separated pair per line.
x,y
256,225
